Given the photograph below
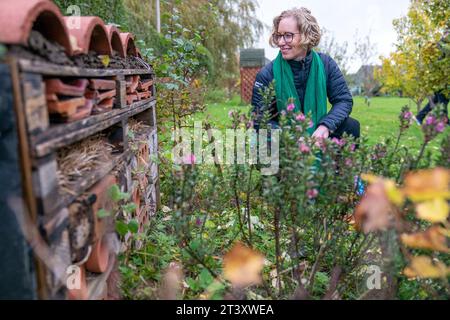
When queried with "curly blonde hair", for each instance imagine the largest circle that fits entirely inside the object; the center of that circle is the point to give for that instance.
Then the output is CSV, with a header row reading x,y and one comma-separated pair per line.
x,y
307,25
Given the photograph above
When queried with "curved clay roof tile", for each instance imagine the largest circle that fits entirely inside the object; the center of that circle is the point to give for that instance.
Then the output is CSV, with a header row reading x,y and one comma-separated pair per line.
x,y
114,39
128,43
19,17
90,36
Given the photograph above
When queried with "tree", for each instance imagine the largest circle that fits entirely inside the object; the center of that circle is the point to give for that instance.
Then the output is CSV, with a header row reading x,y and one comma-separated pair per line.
x,y
417,68
337,51
224,26
111,11
365,50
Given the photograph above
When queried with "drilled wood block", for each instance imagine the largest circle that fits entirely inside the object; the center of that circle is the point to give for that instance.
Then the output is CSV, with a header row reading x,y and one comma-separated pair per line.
x,y
153,116
45,181
153,143
124,125
150,196
153,172
33,92
58,262
121,89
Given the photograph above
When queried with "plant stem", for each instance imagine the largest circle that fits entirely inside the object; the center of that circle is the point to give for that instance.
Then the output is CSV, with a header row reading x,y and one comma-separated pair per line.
x,y
422,150
248,206
277,245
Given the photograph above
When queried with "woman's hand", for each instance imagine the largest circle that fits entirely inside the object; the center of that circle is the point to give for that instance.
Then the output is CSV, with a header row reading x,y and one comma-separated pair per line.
x,y
321,132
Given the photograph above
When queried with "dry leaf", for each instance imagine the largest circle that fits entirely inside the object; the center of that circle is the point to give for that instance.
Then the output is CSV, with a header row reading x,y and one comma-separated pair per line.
x,y
427,184
423,267
433,211
172,282
433,239
242,266
373,212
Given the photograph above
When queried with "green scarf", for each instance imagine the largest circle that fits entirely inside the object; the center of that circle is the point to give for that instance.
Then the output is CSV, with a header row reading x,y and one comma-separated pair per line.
x,y
316,89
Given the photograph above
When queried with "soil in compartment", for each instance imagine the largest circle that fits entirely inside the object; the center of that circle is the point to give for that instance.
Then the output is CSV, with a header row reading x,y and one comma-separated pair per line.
x,y
43,50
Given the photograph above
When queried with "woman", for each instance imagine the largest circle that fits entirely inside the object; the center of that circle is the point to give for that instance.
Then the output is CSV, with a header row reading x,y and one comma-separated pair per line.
x,y
306,77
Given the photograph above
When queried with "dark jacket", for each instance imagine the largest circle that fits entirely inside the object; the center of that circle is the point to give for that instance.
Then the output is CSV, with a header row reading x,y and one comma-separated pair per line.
x,y
337,91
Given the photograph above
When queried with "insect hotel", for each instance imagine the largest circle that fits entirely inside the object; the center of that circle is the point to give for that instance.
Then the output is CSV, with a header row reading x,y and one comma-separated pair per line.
x,y
78,148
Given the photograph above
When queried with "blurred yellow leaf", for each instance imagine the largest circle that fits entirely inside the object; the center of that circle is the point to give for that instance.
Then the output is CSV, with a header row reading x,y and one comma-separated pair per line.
x,y
433,211
105,60
242,266
394,194
370,178
427,184
423,267
433,239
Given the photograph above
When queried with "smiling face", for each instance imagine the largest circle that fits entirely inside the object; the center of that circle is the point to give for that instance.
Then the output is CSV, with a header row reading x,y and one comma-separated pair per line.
x,y
294,49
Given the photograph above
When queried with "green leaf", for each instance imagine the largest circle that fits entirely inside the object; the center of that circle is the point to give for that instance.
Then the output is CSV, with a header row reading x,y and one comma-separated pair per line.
x,y
195,244
121,228
116,195
129,207
210,225
102,213
133,226
192,284
205,279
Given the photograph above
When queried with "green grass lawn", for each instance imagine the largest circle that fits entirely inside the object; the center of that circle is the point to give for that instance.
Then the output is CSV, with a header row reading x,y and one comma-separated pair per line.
x,y
378,121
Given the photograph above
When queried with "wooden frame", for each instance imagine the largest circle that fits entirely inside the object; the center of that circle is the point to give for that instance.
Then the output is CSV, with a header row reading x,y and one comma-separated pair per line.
x,y
40,139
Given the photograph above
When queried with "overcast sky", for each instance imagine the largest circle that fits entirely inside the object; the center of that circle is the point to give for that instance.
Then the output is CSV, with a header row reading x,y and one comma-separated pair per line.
x,y
343,18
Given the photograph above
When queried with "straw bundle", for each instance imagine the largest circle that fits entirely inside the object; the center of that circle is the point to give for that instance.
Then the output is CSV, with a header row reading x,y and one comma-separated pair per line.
x,y
79,159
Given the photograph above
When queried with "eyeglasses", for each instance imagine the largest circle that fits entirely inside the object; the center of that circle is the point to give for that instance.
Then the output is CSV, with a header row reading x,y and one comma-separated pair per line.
x,y
288,37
